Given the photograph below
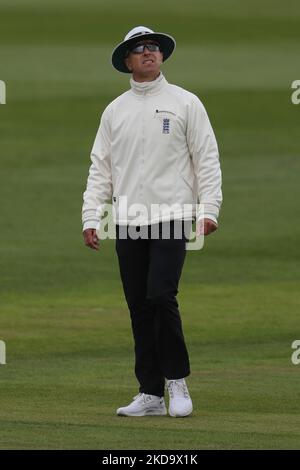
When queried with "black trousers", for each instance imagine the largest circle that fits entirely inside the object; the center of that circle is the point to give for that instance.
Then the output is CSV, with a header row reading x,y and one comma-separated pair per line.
x,y
150,270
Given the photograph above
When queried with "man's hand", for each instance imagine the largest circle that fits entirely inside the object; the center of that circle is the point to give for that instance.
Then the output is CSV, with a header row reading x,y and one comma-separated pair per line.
x,y
91,239
205,226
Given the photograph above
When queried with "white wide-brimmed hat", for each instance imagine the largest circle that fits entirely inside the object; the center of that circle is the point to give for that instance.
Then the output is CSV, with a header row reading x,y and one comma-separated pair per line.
x,y
167,45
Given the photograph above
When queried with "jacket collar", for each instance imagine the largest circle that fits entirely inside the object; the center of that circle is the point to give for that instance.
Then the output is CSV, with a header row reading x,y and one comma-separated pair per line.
x,y
149,88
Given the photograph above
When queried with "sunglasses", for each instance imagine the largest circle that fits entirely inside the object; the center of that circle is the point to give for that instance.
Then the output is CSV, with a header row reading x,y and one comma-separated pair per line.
x,y
139,48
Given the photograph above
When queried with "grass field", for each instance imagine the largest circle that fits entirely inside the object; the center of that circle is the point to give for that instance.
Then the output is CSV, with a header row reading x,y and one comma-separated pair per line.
x,y
63,314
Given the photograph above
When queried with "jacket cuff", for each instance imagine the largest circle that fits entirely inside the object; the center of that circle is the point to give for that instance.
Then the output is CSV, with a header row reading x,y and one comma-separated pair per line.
x,y
90,224
208,216
211,211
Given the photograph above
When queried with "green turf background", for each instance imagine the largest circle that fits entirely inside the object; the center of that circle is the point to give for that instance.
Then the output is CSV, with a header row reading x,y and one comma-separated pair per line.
x,y
63,315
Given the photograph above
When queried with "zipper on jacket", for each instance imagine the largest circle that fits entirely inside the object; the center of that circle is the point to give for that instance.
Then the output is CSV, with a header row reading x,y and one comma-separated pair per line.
x,y
164,111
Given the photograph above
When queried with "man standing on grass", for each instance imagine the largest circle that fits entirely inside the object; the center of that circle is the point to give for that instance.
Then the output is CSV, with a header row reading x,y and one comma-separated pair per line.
x,y
155,147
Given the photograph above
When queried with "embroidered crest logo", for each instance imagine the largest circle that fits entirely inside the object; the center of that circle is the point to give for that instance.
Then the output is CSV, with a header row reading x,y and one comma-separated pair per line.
x,y
166,126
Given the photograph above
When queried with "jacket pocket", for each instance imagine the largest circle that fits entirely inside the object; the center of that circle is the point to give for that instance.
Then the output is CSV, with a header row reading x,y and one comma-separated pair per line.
x,y
164,113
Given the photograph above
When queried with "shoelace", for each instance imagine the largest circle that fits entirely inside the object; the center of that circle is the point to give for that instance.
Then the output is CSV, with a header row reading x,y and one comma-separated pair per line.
x,y
179,387
143,396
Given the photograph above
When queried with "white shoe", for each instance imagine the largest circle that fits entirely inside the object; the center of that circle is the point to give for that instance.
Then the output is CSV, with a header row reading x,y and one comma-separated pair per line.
x,y
144,405
180,401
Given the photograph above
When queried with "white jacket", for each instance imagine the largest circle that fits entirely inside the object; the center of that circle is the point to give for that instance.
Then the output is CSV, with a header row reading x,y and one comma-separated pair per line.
x,y
155,145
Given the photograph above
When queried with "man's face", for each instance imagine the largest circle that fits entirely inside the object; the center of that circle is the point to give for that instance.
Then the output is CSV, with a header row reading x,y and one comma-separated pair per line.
x,y
145,63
